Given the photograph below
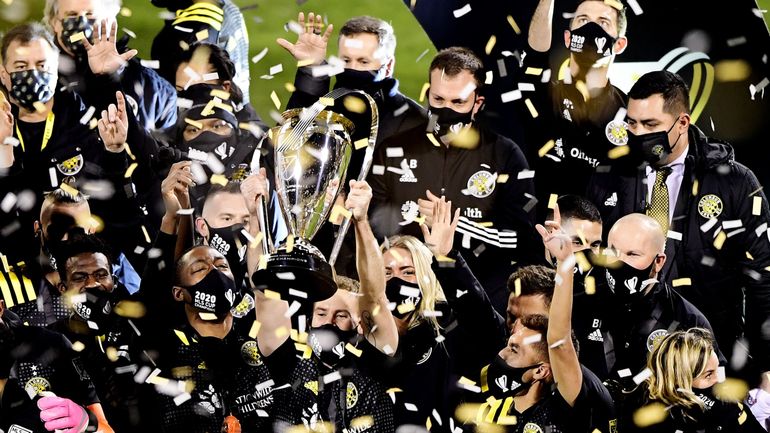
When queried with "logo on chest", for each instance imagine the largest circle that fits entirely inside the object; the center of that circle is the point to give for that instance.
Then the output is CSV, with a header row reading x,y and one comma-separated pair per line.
x,y
481,184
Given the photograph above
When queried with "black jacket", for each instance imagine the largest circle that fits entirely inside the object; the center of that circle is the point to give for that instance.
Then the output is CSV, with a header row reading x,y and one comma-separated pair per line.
x,y
410,163
721,280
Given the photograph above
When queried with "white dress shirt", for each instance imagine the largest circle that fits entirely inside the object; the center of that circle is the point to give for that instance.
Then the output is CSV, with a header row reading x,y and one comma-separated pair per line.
x,y
673,182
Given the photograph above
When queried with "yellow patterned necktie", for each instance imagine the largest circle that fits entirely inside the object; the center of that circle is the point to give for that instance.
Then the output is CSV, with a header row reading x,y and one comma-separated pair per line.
x,y
658,208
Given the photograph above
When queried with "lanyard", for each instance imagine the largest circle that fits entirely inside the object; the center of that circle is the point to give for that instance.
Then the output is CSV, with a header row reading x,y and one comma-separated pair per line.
x,y
46,134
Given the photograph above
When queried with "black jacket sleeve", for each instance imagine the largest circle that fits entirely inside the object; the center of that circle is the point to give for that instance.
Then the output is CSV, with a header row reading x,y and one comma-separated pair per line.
x,y
307,88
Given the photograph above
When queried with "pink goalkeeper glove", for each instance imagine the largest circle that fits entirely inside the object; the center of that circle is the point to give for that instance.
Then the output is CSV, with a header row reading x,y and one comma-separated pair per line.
x,y
62,414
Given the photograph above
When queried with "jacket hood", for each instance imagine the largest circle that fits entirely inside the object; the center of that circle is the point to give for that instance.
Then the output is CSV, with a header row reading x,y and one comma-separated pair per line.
x,y
709,152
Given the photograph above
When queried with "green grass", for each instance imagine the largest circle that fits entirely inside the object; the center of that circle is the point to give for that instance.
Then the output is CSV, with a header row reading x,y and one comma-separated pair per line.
x,y
266,23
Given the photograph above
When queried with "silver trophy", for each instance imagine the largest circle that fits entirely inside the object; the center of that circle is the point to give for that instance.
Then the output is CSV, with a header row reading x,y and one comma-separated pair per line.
x,y
312,148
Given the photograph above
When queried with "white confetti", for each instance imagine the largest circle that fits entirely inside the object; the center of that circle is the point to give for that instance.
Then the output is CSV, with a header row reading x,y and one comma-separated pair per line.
x,y
151,64
462,11
526,174
731,224
626,372
513,95
260,55
642,376
634,5
536,338
674,235
526,87
276,69
394,152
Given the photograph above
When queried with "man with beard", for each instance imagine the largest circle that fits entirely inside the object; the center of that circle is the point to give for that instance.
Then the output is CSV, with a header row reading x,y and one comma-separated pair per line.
x,y
580,115
92,65
484,174
40,303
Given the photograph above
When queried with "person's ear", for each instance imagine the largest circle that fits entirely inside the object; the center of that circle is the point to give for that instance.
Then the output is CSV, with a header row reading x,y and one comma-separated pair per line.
x,y
201,227
683,123
390,67
660,260
543,372
227,85
477,105
178,293
620,45
5,77
61,287
567,37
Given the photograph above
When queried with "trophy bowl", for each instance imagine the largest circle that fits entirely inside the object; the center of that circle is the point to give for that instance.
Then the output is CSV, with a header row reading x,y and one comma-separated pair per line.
x,y
312,149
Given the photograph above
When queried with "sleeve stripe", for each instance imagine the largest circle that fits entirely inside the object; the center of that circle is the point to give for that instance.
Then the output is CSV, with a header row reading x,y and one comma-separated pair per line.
x,y
29,288
6,291
213,23
16,287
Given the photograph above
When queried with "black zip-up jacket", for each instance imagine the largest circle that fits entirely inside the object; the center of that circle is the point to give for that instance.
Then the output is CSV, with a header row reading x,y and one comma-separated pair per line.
x,y
719,200
411,164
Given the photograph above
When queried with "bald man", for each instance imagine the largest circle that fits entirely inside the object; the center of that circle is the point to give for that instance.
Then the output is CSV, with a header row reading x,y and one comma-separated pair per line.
x,y
642,309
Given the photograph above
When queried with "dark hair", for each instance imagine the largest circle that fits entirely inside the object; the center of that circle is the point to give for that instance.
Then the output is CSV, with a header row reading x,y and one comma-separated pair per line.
x,y
454,60
231,187
220,60
26,33
80,243
386,39
622,18
575,206
675,93
535,280
539,323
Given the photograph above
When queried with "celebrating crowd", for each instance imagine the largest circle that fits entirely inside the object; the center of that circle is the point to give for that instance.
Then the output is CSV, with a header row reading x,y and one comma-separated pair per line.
x,y
169,265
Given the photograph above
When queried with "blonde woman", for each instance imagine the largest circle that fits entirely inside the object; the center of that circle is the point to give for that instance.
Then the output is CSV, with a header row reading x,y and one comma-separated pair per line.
x,y
684,368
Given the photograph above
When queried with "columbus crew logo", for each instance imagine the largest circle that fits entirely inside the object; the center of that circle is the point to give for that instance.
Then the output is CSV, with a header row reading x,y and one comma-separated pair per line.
x,y
351,396
710,206
481,184
617,132
655,337
71,166
250,353
243,307
36,386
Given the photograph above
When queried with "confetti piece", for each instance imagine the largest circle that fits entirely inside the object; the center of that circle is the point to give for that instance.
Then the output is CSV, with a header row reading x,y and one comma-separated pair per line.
x,y
326,101
254,330
394,152
305,62
635,7
490,44
126,12
259,56
130,309
79,36
512,95
618,152
285,276
642,376
194,123
732,390
513,24
756,208
533,71
489,77
674,235
536,338
423,91
531,108
201,35
332,377
462,11
354,104
432,139
352,349
526,174
262,262
340,211
78,346
502,178
590,285
614,4
276,69
130,170
276,101
681,282
182,337
359,144
626,372
270,294
720,240
218,179
649,415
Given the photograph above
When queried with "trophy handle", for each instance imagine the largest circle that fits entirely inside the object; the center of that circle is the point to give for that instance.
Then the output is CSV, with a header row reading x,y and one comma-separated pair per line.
x,y
367,164
262,209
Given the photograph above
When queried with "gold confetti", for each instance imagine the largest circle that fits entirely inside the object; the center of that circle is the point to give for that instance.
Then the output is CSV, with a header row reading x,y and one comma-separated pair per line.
x,y
72,192
614,4
756,208
126,12
583,89
360,144
732,390
304,62
194,122
130,309
531,108
749,256
695,187
352,349
130,170
96,223
490,44
681,282
146,235
270,294
201,35
432,139
590,285
276,101
546,148
78,346
112,354
354,104
290,87
552,201
262,262
405,308
221,94
732,70
533,71
182,337
466,412
618,152
218,179
720,240
338,211
396,255
93,123
289,243
254,329
517,287
513,24
256,241
79,36
326,101
649,415
40,107
423,91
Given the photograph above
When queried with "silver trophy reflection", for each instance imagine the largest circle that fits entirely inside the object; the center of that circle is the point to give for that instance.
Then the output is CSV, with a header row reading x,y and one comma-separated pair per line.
x,y
312,148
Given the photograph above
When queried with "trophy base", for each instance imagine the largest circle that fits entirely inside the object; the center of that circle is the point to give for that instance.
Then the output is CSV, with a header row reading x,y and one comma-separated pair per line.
x,y
304,270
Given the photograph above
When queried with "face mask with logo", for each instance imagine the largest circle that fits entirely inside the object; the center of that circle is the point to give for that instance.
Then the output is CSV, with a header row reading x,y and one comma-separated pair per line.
x,y
214,294
589,43
94,305
368,81
653,147
231,243
403,294
502,380
328,343
448,120
31,86
71,27
627,282
210,142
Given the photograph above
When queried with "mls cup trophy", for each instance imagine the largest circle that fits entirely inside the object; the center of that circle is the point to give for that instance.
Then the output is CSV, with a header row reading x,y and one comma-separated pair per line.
x,y
312,148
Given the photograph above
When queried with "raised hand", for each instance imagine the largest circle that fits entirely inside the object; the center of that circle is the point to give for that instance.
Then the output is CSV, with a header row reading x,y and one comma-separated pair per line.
x,y
439,238
311,43
555,239
113,126
174,187
103,56
252,188
427,206
358,200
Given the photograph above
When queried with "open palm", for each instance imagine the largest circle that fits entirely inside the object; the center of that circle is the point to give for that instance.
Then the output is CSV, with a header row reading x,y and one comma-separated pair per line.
x,y
311,43
103,56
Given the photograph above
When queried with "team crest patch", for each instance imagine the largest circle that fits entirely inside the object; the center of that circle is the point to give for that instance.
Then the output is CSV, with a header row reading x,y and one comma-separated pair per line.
x,y
531,427
71,166
425,356
351,396
655,337
36,386
710,206
617,132
481,184
243,307
250,353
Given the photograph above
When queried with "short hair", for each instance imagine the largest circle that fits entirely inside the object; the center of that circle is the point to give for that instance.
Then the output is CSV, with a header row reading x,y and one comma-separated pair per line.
x,y
347,284
219,59
81,243
622,18
452,61
62,196
575,206
51,9
216,189
386,38
535,280
673,89
539,323
26,33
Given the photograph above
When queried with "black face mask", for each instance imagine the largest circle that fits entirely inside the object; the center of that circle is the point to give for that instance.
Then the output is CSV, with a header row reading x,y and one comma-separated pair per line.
x,y
502,380
368,81
627,282
328,343
215,293
95,308
231,243
589,43
403,292
210,142
199,93
653,147
448,120
31,86
72,26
